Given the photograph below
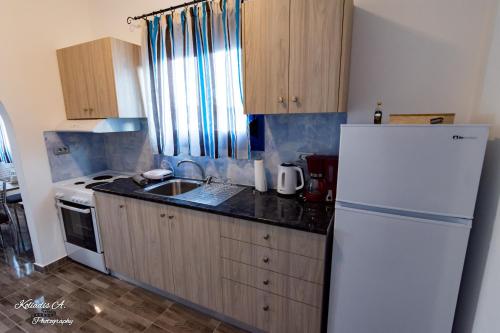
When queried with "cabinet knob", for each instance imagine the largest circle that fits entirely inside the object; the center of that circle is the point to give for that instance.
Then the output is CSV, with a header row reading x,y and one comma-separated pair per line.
x,y
265,260
295,99
265,308
85,110
162,215
265,282
91,110
170,217
266,236
121,206
281,100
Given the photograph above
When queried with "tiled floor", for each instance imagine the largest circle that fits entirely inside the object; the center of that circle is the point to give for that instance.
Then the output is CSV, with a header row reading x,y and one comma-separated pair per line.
x,y
94,301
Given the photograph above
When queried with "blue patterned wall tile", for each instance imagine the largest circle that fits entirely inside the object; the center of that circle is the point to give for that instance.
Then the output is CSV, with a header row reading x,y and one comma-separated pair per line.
x,y
286,137
86,155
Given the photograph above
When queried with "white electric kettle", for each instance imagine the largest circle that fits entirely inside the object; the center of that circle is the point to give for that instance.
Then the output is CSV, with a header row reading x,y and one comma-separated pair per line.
x,y
288,176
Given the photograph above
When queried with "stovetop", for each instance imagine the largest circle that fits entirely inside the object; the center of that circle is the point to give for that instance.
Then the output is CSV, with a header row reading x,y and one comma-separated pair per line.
x,y
79,190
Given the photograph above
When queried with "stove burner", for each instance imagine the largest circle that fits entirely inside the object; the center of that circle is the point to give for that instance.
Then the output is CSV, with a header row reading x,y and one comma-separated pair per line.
x,y
92,185
102,177
79,183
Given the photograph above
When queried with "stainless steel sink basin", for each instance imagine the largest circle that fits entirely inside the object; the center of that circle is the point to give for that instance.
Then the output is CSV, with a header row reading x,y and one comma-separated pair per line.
x,y
173,187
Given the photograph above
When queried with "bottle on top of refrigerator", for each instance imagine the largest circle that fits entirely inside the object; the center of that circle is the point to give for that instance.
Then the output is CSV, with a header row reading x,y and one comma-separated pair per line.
x,y
377,118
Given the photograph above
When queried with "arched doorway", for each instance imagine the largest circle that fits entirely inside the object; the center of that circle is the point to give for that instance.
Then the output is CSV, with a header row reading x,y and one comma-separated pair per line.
x,y
15,236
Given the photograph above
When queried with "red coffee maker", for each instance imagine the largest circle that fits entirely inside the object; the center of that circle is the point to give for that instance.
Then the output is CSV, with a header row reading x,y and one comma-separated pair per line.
x,y
322,183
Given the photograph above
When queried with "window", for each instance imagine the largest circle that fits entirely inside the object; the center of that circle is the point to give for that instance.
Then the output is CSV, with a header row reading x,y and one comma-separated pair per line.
x,y
194,81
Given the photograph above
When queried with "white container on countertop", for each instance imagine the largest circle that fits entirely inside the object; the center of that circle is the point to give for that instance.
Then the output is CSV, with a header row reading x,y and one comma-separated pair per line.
x,y
260,176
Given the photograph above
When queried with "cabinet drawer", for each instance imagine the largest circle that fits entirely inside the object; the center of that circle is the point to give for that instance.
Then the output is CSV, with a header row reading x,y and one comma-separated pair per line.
x,y
286,286
290,264
268,312
289,240
294,241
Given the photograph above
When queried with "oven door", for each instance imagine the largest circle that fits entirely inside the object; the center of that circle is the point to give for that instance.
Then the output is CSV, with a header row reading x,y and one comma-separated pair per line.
x,y
79,225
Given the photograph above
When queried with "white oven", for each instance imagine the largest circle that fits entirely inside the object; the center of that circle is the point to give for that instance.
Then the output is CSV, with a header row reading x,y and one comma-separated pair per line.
x,y
81,233
75,204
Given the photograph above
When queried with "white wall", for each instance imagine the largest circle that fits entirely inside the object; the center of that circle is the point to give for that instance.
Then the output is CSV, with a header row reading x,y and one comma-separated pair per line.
x,y
30,32
109,17
418,56
480,291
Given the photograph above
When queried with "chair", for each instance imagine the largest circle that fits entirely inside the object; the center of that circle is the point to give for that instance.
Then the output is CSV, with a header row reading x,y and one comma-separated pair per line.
x,y
6,216
16,200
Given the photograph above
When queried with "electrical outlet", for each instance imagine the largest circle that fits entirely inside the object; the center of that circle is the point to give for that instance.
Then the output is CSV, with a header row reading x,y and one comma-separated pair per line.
x,y
61,150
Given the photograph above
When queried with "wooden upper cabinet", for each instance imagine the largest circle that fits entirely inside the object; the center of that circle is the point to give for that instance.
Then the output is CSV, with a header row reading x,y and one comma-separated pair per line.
x,y
266,52
100,79
312,74
315,50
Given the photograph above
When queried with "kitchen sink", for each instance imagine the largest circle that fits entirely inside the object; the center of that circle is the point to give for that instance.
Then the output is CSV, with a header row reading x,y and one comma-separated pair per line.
x,y
196,191
173,187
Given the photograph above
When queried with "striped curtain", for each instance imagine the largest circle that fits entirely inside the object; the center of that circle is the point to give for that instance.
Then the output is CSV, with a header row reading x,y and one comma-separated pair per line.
x,y
5,153
194,83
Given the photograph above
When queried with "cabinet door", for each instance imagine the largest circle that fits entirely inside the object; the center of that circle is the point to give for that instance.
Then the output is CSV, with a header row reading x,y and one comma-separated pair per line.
x,y
102,90
196,257
266,54
74,63
112,215
315,55
150,245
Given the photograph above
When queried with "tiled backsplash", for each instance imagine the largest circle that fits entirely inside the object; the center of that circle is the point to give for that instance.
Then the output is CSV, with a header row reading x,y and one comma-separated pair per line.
x,y
286,136
92,152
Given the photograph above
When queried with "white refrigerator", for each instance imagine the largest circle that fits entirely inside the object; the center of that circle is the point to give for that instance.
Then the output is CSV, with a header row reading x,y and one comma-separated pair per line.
x,y
404,209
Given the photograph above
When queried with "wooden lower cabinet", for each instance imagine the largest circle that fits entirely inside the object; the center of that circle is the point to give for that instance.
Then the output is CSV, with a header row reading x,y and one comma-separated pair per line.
x,y
149,228
113,224
187,253
268,312
282,262
279,284
195,244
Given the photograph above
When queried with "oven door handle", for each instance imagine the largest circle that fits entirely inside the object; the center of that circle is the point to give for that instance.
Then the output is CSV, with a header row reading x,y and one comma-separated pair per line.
x,y
78,210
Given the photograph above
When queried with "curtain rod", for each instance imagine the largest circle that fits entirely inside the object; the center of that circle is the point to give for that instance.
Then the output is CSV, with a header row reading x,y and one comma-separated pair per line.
x,y
161,11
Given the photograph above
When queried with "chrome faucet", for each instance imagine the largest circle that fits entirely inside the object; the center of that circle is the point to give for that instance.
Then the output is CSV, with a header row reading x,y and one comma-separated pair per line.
x,y
195,163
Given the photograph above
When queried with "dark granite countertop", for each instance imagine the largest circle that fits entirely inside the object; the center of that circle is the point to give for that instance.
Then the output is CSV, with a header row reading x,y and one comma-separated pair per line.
x,y
269,207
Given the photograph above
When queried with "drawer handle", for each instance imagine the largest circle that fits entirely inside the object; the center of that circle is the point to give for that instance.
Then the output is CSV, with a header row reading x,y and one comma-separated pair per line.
x,y
265,260
265,308
170,217
121,206
265,282
267,236
162,215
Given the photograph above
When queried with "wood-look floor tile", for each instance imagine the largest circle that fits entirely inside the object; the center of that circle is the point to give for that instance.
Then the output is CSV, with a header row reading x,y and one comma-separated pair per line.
x,y
226,328
107,287
180,319
9,284
144,303
79,306
15,329
92,327
156,329
5,323
21,270
119,320
47,290
76,273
